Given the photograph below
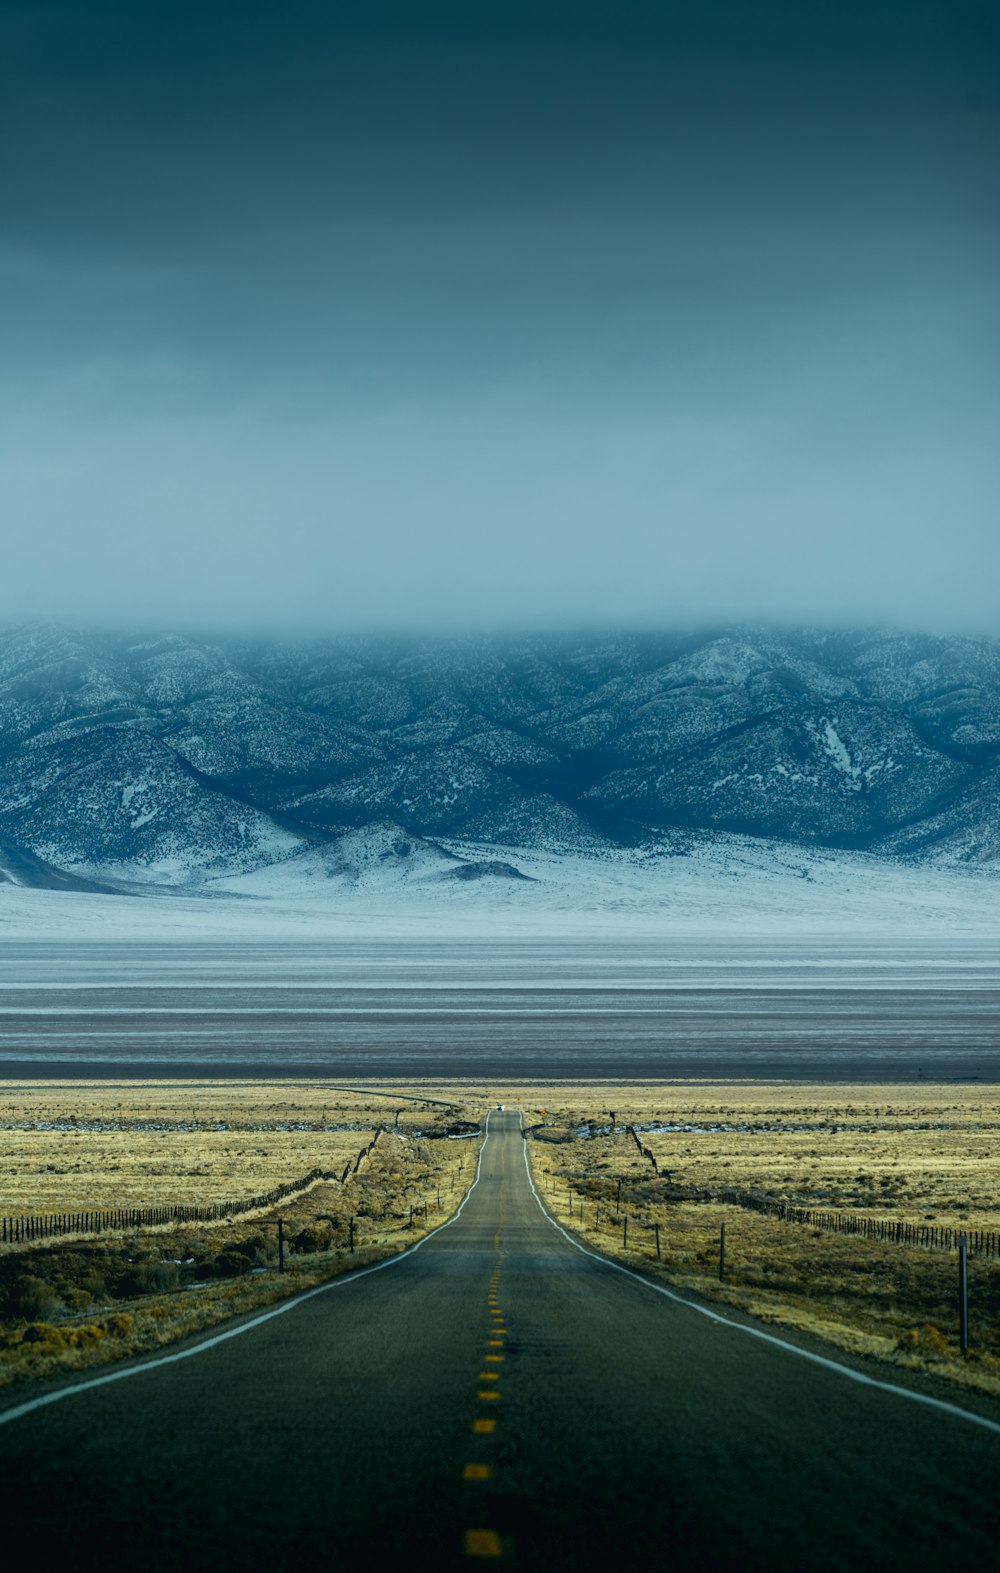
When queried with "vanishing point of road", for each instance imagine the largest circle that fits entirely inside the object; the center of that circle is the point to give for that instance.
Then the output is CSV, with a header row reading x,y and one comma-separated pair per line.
x,y
495,1395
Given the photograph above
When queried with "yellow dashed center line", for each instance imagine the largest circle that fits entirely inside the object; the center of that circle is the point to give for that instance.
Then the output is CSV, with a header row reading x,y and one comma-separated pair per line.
x,y
482,1543
476,1472
486,1542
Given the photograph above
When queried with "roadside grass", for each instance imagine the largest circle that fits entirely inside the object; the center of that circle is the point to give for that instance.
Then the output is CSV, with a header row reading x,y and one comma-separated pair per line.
x,y
937,1147
81,1303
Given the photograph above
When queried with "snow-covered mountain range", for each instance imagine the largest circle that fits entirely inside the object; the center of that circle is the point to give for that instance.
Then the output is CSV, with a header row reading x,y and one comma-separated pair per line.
x,y
177,761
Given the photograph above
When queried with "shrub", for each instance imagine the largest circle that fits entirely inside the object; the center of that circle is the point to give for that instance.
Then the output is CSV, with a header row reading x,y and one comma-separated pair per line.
x,y
89,1333
77,1299
230,1264
39,1333
238,1256
48,1339
927,1340
145,1278
314,1237
30,1297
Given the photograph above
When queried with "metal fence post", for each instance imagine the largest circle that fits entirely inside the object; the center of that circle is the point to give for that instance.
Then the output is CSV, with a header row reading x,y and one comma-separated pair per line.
x,y
722,1252
281,1245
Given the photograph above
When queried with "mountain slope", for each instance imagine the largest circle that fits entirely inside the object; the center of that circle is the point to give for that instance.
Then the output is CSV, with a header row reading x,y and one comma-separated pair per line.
x,y
177,759
18,867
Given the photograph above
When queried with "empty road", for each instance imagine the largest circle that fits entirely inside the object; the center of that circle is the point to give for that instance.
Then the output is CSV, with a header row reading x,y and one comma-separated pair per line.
x,y
496,1395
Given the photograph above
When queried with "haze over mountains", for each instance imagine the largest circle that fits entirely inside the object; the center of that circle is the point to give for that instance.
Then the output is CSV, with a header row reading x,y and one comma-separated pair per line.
x,y
173,760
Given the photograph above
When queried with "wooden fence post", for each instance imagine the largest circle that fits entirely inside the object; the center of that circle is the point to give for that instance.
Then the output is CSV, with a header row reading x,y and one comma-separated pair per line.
x,y
963,1295
656,1226
722,1252
281,1245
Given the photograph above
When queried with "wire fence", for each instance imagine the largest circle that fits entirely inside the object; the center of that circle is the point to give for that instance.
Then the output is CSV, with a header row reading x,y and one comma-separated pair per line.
x,y
26,1228
932,1237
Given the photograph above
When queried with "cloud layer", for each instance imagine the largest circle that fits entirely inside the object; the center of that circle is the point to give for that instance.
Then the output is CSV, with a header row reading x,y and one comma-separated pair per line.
x,y
538,320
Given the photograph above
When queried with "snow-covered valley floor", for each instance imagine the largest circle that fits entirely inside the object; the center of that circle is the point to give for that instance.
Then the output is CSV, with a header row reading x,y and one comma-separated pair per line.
x,y
742,960
729,885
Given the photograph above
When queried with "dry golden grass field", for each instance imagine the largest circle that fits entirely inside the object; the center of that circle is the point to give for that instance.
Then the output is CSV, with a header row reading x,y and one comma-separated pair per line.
x,y
911,1153
69,1146
917,1154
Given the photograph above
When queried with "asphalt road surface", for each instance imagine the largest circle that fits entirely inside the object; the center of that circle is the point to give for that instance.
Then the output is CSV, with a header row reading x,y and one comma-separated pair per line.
x,y
497,1395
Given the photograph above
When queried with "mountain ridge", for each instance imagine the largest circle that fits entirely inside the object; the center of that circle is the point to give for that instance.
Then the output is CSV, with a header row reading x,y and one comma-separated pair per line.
x,y
174,759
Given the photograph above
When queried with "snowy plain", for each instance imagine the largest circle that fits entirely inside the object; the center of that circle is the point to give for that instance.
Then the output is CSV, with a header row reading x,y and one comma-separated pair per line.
x,y
743,960
728,885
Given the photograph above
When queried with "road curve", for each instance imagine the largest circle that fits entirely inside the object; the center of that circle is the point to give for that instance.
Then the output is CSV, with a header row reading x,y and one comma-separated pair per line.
x,y
496,1395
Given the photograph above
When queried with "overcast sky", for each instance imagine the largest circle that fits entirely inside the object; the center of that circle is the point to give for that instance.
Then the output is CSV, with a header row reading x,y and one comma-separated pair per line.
x,y
316,315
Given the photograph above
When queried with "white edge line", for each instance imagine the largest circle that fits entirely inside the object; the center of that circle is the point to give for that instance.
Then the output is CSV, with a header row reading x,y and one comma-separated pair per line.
x,y
758,1332
121,1375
